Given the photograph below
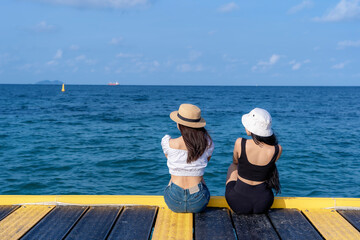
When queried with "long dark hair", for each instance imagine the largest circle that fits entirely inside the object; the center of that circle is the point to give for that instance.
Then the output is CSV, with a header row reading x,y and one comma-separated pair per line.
x,y
196,141
258,140
273,181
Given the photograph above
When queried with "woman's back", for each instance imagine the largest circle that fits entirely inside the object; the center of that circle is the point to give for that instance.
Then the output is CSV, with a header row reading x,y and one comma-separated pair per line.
x,y
183,181
258,155
255,162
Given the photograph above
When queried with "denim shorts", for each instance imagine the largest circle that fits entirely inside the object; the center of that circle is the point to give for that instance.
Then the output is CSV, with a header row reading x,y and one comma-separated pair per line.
x,y
191,200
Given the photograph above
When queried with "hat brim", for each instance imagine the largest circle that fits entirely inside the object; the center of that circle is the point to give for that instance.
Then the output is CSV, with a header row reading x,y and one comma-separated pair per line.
x,y
245,121
176,119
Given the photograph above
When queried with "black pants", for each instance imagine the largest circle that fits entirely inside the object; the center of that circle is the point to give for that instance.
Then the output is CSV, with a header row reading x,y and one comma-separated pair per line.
x,y
245,198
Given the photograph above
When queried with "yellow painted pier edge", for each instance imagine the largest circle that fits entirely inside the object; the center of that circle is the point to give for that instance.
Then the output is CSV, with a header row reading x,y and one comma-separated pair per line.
x,y
300,203
320,212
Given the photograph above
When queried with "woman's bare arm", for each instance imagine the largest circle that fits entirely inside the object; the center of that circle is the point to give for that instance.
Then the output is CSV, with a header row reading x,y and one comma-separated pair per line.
x,y
237,150
280,152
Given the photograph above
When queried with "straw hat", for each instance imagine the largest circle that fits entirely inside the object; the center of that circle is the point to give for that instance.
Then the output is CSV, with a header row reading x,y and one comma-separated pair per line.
x,y
258,121
188,115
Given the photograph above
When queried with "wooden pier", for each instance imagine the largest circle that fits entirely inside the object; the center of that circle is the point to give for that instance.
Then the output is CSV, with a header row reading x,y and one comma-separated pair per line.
x,y
147,217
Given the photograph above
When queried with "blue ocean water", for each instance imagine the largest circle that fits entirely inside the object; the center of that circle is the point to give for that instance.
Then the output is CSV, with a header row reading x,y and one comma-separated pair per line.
x,y
106,139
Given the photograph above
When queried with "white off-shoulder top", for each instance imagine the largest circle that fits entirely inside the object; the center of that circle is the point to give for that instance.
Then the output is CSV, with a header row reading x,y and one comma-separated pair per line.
x,y
176,160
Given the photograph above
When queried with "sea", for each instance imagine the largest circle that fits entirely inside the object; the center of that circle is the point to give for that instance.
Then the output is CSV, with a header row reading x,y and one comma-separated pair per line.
x,y
106,139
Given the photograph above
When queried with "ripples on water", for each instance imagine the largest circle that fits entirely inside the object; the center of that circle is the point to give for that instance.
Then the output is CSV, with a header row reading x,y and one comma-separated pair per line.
x,y
106,139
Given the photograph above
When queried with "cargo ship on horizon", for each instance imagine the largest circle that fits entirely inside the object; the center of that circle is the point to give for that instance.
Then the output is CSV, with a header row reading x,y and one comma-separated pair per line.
x,y
113,83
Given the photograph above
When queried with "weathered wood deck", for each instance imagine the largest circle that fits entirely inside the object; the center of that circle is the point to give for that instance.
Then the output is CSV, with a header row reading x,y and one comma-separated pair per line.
x,y
53,220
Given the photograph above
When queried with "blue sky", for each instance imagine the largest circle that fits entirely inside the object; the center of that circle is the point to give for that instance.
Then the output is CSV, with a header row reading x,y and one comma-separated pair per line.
x,y
181,42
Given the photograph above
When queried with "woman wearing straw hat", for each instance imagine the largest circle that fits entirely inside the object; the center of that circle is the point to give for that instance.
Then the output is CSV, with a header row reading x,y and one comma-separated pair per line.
x,y
253,173
187,156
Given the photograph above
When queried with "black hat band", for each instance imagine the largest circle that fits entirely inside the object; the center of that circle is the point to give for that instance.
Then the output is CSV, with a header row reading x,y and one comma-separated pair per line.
x,y
188,119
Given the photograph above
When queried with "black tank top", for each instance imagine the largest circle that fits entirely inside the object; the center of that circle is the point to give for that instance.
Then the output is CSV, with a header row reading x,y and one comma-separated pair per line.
x,y
253,172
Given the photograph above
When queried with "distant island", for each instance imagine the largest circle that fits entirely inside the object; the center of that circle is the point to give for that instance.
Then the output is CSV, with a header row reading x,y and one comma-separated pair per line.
x,y
50,82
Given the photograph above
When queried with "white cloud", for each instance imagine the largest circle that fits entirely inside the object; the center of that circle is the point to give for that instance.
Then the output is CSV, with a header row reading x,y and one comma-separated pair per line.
x,y
52,63
80,58
344,10
58,54
43,27
295,65
266,64
228,7
115,41
193,55
89,61
189,68
144,65
233,62
301,6
128,55
273,59
339,65
348,43
156,63
115,4
74,47
227,58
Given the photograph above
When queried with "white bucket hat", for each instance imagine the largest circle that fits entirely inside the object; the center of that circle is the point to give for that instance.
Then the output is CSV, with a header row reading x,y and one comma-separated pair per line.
x,y
258,121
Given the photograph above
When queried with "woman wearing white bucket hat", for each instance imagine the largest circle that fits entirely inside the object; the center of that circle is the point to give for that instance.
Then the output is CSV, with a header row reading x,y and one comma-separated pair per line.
x,y
253,173
187,157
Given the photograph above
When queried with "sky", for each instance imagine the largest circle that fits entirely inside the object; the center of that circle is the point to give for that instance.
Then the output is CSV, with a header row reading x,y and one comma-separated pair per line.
x,y
158,42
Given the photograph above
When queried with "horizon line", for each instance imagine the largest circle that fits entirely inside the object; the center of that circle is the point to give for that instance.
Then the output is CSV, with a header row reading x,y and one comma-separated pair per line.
x,y
186,85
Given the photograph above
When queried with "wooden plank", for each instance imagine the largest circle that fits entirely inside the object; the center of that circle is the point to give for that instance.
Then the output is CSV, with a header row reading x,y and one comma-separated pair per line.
x,y
171,225
331,225
6,210
253,226
135,222
353,216
56,224
214,223
22,220
95,224
291,224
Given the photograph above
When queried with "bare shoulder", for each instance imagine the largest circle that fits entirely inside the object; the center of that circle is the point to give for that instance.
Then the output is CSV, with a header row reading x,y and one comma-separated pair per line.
x,y
175,142
238,142
237,145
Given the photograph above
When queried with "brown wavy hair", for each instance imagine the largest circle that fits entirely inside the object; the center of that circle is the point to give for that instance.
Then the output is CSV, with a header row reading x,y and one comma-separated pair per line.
x,y
196,141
